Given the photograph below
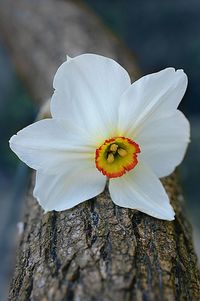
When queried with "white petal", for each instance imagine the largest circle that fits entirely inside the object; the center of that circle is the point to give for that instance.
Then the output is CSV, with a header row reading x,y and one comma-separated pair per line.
x,y
66,190
163,143
153,95
51,145
140,189
88,90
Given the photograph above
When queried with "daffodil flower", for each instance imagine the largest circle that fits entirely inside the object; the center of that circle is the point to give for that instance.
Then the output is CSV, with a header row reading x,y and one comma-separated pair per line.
x,y
103,128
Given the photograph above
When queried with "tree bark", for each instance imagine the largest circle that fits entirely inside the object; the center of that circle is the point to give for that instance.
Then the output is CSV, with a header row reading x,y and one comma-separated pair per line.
x,y
95,251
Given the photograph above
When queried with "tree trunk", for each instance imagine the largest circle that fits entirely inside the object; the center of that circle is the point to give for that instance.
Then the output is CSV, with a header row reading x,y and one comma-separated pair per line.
x,y
95,251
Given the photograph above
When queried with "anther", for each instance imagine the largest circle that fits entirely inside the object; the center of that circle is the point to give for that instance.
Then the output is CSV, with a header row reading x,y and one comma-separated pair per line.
x,y
122,152
110,158
113,147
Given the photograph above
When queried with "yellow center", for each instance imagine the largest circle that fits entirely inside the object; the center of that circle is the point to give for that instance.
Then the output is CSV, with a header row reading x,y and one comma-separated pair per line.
x,y
116,156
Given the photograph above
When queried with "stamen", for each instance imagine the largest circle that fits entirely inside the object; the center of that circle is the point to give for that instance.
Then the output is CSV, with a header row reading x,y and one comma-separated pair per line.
x,y
122,152
113,147
110,158
116,156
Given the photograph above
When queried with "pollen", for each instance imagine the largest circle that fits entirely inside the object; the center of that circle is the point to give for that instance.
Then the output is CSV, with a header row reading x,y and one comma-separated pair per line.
x,y
114,147
122,152
110,158
116,156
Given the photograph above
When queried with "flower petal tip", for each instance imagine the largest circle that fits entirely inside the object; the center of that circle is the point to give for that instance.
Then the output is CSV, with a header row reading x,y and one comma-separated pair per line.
x,y
12,142
170,214
171,218
68,58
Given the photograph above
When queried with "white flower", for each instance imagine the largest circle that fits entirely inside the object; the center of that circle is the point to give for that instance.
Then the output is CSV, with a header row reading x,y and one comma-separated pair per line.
x,y
103,127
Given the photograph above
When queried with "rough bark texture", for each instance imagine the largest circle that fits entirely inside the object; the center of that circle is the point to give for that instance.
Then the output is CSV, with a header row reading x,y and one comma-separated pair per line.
x,y
96,251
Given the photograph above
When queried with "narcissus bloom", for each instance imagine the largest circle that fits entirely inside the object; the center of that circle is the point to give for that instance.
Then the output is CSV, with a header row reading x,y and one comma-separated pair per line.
x,y
105,128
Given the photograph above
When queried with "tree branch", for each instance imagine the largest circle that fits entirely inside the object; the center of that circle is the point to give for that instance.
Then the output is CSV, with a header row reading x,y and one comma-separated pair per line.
x,y
95,251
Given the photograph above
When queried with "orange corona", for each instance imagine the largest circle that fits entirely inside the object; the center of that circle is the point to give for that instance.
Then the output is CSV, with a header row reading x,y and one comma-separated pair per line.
x,y
116,156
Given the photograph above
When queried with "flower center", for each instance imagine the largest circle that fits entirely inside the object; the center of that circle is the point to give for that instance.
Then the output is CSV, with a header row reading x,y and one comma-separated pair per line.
x,y
116,156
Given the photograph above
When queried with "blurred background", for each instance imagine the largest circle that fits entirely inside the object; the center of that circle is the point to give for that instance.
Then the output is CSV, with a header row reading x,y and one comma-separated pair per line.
x,y
159,34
